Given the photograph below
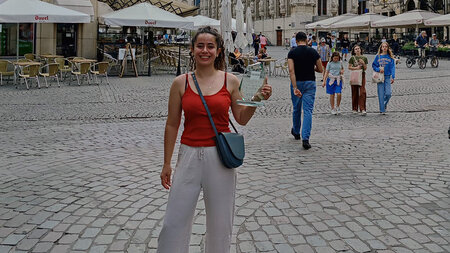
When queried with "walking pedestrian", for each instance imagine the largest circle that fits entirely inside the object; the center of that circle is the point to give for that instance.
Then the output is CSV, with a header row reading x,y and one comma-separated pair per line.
x,y
302,62
345,44
256,43
263,41
358,62
199,166
293,42
333,81
325,53
384,63
313,42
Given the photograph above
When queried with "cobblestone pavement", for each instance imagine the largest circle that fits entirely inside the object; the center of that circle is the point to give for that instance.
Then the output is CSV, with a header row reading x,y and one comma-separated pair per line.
x,y
79,170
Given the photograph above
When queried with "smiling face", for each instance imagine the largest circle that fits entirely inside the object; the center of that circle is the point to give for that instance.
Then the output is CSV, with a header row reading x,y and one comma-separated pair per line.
x,y
205,49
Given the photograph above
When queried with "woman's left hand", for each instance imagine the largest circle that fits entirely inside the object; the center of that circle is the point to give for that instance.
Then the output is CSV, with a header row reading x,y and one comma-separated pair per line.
x,y
266,90
392,80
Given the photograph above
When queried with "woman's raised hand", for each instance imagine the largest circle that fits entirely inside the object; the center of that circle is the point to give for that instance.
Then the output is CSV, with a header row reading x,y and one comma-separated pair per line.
x,y
266,90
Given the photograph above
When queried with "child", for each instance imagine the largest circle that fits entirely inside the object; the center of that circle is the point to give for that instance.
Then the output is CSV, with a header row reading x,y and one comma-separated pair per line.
x,y
333,81
384,63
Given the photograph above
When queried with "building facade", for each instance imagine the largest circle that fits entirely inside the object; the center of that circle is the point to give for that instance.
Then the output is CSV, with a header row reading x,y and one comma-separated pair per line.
x,y
278,20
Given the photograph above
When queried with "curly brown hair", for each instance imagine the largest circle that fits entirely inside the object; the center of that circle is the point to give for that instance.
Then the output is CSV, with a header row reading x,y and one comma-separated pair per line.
x,y
219,62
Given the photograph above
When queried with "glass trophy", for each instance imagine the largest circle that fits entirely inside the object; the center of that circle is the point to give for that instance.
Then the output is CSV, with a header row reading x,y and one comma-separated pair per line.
x,y
251,84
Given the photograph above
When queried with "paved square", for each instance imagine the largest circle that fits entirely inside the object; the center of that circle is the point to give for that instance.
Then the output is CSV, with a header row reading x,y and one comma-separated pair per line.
x,y
79,170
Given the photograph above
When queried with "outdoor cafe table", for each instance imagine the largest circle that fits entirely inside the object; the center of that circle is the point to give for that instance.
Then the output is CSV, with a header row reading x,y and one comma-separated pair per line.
x,y
268,62
50,57
83,60
18,64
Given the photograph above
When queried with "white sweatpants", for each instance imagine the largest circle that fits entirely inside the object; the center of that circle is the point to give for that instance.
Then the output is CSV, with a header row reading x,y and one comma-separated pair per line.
x,y
199,168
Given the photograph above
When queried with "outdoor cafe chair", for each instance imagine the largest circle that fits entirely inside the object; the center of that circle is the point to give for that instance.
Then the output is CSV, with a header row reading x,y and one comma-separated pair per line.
x,y
113,62
6,69
62,67
29,71
82,70
52,72
31,57
102,70
282,66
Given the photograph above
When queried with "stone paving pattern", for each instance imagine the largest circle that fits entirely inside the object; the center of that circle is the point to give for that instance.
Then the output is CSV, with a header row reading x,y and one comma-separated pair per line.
x,y
79,170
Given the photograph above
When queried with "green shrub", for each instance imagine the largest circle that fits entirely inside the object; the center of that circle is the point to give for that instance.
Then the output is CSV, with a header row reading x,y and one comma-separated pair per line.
x,y
409,46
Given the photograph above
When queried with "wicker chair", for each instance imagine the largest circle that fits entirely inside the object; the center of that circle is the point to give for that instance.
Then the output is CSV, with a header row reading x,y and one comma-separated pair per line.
x,y
30,71
102,70
52,72
82,70
62,67
6,69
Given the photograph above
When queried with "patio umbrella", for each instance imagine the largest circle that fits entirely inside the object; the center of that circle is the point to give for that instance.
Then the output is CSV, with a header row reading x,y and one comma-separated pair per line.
x,y
148,15
361,21
201,21
413,18
249,29
326,23
233,25
443,20
240,41
225,26
35,11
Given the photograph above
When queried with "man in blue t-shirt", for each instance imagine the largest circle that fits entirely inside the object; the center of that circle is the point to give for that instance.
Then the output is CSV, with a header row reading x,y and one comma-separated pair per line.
x,y
303,62
421,42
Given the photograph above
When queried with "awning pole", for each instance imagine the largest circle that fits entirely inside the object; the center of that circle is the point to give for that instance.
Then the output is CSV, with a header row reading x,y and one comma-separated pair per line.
x,y
17,49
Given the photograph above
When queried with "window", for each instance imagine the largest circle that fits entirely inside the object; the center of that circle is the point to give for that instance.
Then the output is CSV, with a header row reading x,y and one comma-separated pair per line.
x,y
8,39
362,5
342,7
322,7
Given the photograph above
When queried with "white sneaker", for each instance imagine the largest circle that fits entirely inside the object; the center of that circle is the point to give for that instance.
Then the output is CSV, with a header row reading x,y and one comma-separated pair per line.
x,y
363,113
354,112
338,110
333,111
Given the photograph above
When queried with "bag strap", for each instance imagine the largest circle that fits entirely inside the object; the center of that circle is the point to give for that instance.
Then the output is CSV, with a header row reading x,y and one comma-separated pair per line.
x,y
206,107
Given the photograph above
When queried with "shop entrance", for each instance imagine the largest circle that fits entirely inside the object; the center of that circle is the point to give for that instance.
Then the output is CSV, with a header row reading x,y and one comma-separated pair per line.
x,y
66,39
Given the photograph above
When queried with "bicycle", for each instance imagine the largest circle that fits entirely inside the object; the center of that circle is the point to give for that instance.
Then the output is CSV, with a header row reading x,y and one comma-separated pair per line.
x,y
422,61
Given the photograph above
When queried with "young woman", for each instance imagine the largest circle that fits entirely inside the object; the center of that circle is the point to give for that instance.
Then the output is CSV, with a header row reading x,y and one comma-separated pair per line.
x,y
332,79
384,62
356,62
199,166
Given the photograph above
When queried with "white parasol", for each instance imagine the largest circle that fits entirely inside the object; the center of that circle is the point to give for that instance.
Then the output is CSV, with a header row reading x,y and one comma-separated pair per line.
x,y
249,29
443,20
225,25
413,18
240,41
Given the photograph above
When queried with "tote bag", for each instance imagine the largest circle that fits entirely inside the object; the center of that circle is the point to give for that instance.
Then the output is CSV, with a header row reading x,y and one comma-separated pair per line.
x,y
356,77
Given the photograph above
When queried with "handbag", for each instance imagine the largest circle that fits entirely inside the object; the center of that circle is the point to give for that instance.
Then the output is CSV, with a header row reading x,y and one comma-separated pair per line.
x,y
230,146
377,77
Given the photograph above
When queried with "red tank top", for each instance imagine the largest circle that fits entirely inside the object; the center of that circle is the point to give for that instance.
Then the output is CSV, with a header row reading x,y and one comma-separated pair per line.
x,y
198,131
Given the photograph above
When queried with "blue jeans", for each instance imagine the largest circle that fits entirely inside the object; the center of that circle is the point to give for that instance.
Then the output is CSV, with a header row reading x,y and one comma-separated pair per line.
x,y
384,93
308,90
